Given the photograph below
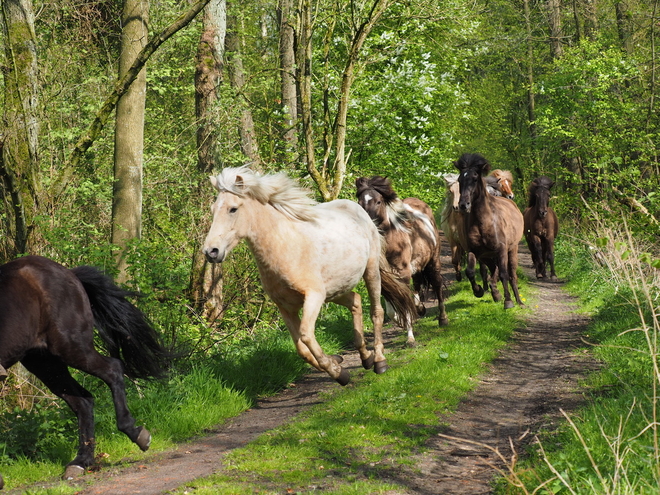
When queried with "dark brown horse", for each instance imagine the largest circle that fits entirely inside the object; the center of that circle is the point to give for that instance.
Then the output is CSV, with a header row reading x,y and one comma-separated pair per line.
x,y
541,227
47,317
493,229
411,237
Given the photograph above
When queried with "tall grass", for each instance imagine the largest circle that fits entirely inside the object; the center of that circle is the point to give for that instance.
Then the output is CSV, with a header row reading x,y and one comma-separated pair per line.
x,y
610,446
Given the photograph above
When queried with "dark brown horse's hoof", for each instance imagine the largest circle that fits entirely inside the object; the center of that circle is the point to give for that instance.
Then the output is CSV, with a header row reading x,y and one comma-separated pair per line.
x,y
380,367
443,322
144,439
368,363
343,378
72,472
478,292
337,358
459,277
508,304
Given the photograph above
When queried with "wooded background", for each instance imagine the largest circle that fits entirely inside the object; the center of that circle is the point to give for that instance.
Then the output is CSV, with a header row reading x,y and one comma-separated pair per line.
x,y
115,113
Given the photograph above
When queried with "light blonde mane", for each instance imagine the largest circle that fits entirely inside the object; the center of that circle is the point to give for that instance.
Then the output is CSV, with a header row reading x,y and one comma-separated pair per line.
x,y
277,190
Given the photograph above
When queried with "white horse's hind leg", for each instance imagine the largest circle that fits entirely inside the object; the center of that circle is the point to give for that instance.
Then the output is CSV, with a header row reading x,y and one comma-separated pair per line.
x,y
353,302
372,281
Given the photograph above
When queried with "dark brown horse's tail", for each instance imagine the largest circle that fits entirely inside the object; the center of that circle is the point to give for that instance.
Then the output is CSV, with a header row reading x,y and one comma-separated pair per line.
x,y
124,329
397,293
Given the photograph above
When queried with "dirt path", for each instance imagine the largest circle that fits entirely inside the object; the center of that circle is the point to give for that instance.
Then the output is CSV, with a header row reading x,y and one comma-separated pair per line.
x,y
523,392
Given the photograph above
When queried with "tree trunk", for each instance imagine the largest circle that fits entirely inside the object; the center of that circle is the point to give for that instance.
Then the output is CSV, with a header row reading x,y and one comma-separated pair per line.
x,y
236,72
624,25
19,163
531,95
590,19
129,133
288,78
208,77
206,279
556,31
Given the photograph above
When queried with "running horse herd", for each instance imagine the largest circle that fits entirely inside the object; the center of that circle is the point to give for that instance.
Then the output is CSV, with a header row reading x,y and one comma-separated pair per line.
x,y
307,253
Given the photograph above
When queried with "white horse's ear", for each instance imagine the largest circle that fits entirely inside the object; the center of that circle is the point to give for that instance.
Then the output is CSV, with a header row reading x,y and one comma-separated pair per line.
x,y
239,183
214,181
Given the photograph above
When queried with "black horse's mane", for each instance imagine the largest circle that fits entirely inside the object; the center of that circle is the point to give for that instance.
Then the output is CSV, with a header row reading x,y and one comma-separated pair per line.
x,y
541,182
382,185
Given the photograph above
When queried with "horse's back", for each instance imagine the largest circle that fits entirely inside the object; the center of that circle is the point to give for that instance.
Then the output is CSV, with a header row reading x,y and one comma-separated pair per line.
x,y
345,240
37,295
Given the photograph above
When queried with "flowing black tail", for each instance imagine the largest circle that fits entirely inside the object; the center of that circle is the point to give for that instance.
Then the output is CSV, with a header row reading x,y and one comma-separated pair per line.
x,y
124,329
397,293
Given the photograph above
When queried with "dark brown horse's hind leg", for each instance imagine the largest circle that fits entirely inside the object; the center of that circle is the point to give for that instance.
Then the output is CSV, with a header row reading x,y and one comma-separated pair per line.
x,y
55,375
111,371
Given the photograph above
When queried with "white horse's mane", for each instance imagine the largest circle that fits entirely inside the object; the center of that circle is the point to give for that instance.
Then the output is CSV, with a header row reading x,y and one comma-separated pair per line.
x,y
277,190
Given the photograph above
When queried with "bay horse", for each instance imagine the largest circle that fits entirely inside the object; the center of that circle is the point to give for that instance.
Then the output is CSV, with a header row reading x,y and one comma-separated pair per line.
x,y
493,227
541,227
307,254
411,238
47,319
453,222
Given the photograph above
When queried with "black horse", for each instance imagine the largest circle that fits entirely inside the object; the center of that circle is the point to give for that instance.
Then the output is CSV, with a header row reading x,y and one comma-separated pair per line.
x,y
47,317
541,227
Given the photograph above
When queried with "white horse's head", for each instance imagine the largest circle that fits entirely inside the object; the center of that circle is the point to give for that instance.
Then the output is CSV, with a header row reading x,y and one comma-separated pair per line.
x,y
227,228
240,193
453,190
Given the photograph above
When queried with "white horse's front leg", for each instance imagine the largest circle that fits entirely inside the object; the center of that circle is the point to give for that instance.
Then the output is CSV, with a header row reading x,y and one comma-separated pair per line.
x,y
310,312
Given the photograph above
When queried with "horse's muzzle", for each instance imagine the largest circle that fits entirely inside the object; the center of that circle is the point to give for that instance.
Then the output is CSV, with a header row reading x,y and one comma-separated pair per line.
x,y
213,255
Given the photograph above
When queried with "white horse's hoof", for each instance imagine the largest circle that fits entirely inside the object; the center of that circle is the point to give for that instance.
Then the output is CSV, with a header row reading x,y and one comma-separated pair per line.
x,y
72,472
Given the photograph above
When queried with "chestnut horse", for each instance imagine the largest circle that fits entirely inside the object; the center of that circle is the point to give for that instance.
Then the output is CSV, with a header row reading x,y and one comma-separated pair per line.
x,y
504,183
307,254
541,227
493,229
411,237
47,319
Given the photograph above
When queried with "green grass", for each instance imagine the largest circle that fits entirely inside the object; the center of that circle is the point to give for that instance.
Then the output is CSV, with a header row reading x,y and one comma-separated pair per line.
x,y
608,446
360,432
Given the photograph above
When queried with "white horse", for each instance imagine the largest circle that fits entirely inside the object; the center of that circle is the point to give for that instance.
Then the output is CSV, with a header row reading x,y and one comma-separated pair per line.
x,y
307,254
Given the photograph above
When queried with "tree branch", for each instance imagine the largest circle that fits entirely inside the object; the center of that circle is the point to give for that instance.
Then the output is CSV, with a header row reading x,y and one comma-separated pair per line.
x,y
121,86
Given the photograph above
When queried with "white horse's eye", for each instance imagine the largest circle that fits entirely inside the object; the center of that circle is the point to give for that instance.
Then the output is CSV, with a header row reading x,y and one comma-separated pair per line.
x,y
233,209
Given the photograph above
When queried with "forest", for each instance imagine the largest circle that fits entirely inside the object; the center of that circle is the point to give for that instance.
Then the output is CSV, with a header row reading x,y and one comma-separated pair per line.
x,y
115,113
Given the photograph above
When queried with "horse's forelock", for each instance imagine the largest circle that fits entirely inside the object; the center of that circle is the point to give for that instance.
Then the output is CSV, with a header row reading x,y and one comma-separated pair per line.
x,y
473,161
382,185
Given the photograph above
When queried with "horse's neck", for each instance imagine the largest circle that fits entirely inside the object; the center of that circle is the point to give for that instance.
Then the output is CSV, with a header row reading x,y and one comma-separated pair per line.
x,y
482,208
270,232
